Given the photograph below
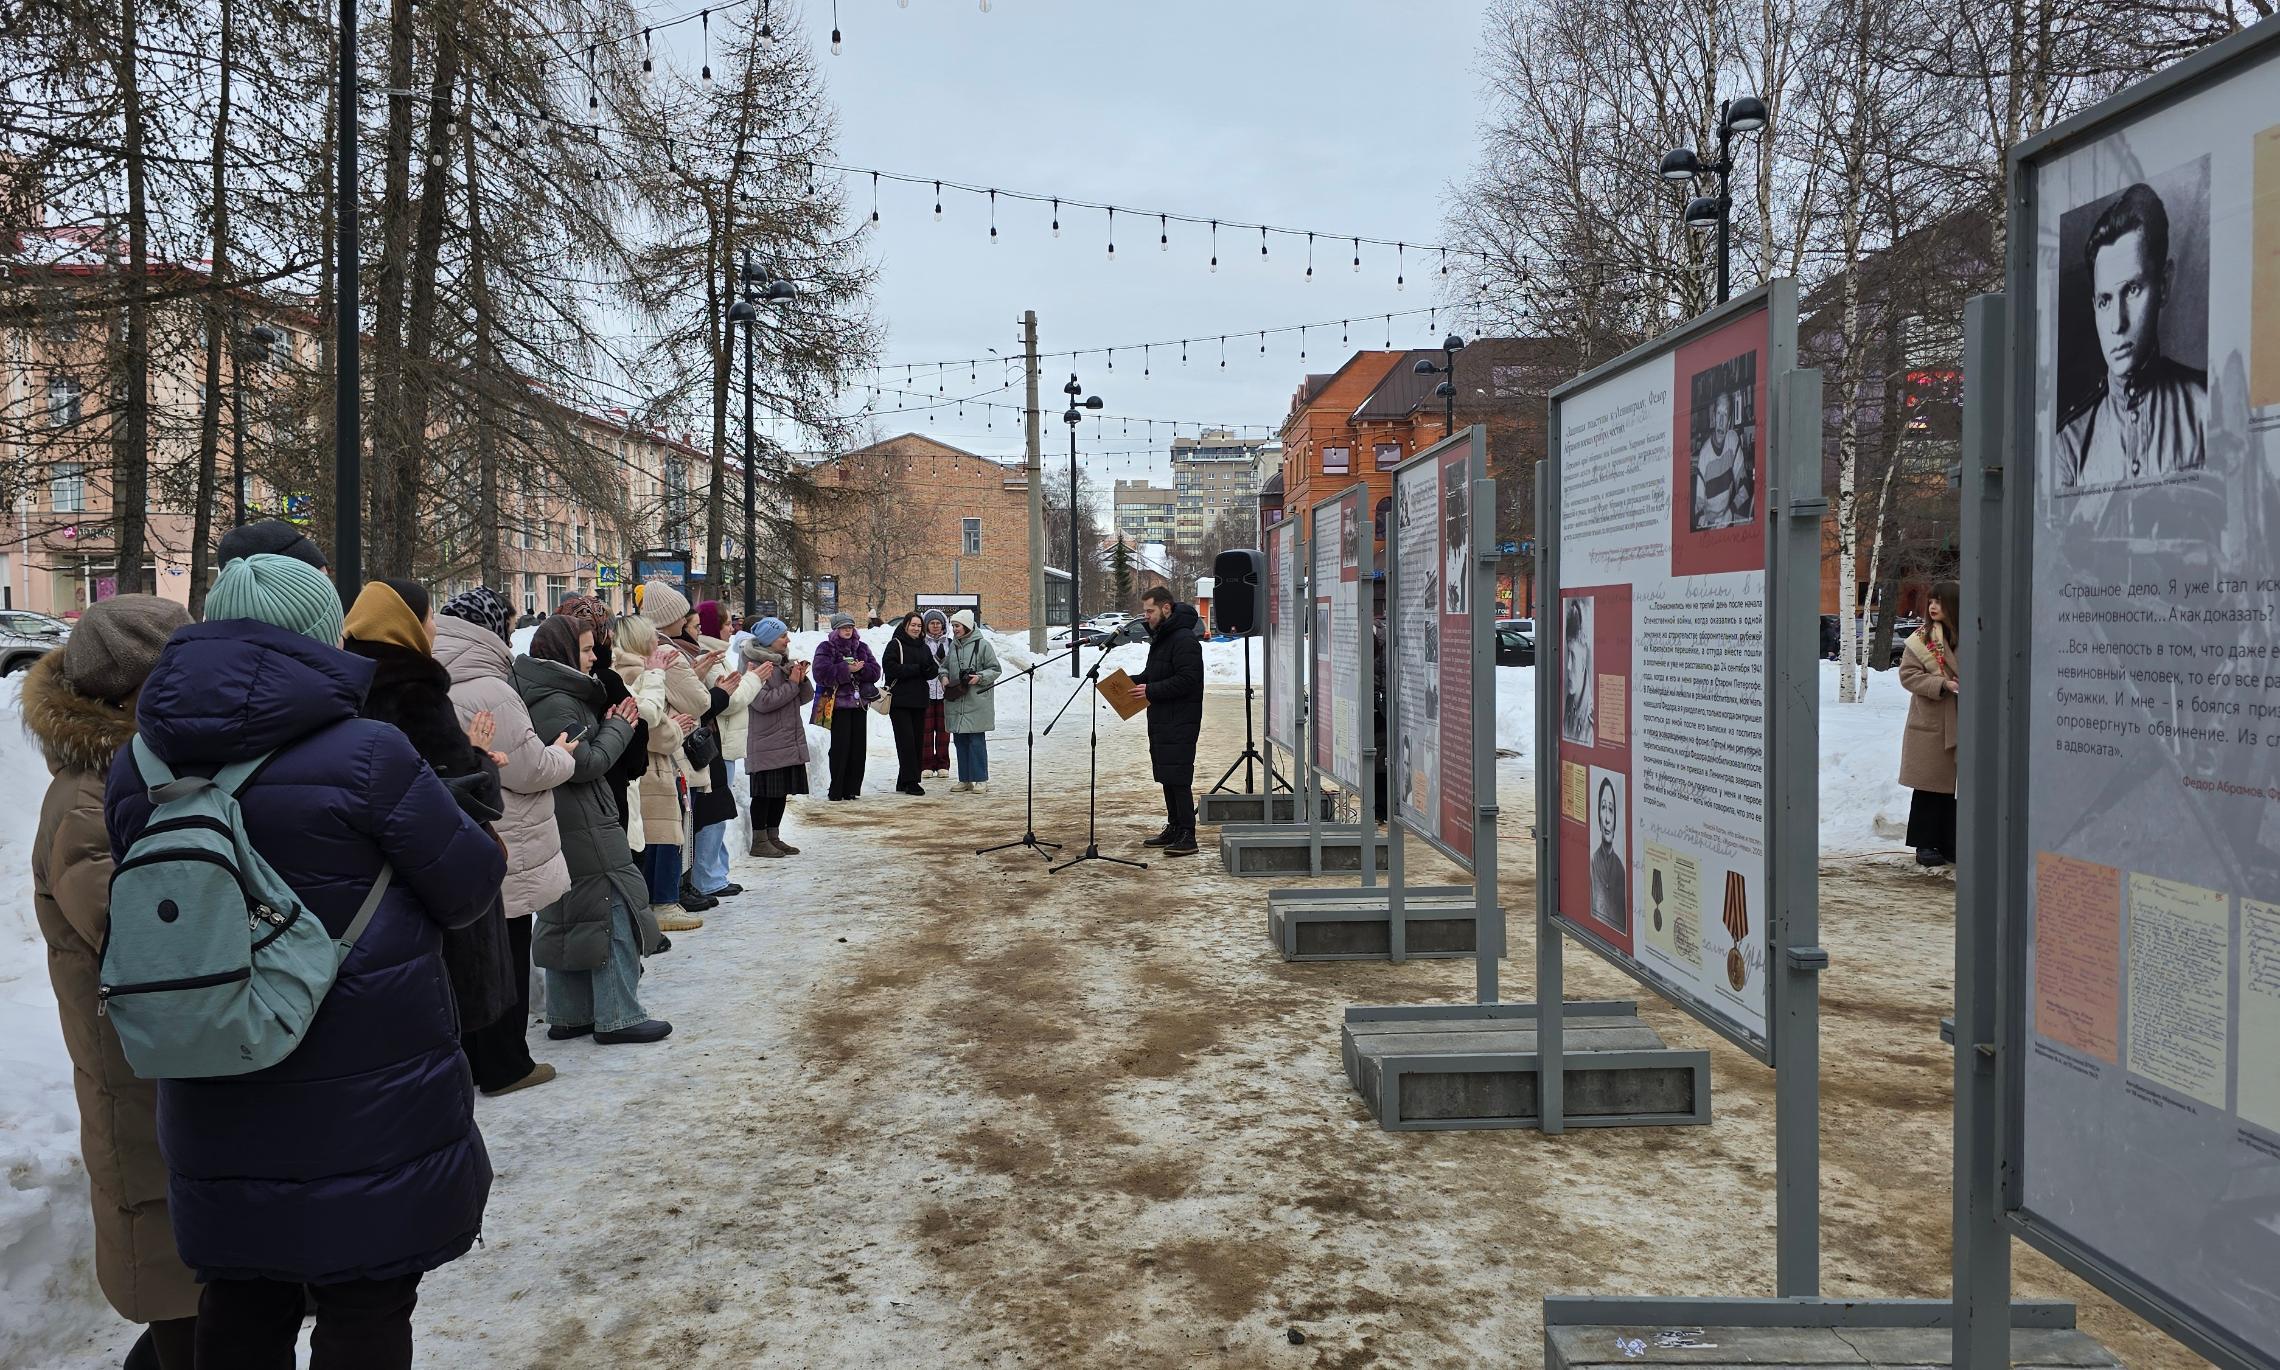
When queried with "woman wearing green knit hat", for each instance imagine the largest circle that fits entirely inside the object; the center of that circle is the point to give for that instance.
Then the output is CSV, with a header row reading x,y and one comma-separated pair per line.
x,y
280,591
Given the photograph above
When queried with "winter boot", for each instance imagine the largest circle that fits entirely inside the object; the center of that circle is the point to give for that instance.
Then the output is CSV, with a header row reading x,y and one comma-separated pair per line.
x,y
539,1075
764,844
694,900
961,787
783,848
674,918
1182,843
650,1030
1163,838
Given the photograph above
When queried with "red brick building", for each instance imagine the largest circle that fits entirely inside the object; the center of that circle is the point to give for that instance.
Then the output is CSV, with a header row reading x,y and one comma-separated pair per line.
x,y
912,516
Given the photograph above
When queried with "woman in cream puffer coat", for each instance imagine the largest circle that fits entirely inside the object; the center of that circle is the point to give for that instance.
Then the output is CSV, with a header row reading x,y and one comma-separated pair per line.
x,y
670,714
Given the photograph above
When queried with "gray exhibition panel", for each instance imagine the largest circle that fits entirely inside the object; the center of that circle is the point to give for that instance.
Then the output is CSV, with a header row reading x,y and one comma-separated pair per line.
x,y
2138,708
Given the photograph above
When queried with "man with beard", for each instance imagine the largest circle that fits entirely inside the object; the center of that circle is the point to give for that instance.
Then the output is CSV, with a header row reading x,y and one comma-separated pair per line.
x,y
1172,683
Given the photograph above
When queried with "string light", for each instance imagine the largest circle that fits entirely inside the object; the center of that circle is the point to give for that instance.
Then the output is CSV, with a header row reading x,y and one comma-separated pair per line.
x,y
1215,245
1112,235
1357,254
938,202
646,65
704,22
1400,267
1163,234
1262,244
835,28
1310,259
993,218
767,29
874,197
1056,214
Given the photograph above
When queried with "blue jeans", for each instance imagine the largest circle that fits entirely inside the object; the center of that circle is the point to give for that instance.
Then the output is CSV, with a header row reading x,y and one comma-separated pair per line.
x,y
973,750
708,858
604,996
661,864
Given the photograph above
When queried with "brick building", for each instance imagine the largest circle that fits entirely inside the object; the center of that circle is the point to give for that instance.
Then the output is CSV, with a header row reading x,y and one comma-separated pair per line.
x,y
911,516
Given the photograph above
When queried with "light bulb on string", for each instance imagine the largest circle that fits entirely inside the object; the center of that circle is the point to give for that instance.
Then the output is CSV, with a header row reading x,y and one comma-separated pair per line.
x,y
1215,245
1389,332
938,202
767,29
704,25
1056,218
1183,352
1223,351
1147,360
1302,344
1444,261
1343,331
874,197
1400,267
835,28
1112,359
1262,344
993,218
1112,235
1310,259
1163,234
646,65
1262,244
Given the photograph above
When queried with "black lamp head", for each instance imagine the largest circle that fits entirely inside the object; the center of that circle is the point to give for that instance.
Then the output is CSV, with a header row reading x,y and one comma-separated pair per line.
x,y
1093,402
1072,388
1745,114
1702,211
741,312
1452,343
1425,367
1680,164
780,291
1444,390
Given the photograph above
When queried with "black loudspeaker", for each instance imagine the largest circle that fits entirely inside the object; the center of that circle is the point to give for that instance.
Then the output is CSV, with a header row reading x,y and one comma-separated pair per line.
x,y
1236,577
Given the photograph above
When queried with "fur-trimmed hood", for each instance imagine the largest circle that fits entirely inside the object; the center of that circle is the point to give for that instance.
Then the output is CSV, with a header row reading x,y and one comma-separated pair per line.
x,y
73,730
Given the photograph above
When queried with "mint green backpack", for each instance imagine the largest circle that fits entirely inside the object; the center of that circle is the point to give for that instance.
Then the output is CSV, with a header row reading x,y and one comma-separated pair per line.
x,y
212,965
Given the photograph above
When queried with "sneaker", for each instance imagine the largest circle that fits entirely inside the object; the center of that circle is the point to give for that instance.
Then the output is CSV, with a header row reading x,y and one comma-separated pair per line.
x,y
653,1030
981,787
1182,843
539,1075
674,918
1163,838
563,1032
962,787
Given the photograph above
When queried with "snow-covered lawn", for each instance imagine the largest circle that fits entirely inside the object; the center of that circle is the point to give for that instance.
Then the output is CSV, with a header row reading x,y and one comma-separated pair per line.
x,y
49,1306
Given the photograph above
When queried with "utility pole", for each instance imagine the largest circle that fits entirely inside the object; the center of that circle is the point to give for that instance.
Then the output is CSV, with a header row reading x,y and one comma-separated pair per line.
x,y
1036,469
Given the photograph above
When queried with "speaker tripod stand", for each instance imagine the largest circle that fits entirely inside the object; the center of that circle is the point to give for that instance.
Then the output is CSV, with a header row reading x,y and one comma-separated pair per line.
x,y
1092,851
1251,753
1029,837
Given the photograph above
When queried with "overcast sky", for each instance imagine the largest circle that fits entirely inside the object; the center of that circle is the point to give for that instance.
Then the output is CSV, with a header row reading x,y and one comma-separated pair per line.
x,y
1347,116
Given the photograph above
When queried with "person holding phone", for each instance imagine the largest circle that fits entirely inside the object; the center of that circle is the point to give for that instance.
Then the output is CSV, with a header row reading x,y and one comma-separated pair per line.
x,y
969,709
776,747
846,677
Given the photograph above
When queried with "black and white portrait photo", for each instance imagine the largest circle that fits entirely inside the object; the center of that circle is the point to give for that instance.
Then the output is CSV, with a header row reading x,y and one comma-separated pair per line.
x,y
1722,435
1456,548
2133,334
1610,858
1579,714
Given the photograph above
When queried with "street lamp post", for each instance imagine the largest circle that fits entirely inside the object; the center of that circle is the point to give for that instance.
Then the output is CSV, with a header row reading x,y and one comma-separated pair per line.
x,y
1447,389
348,451
752,294
1073,417
1742,114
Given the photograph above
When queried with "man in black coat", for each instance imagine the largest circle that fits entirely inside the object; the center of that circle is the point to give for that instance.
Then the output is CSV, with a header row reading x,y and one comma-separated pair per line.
x,y
1172,684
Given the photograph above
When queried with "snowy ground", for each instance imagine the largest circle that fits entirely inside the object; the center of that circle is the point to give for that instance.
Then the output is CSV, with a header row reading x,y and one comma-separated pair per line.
x,y
924,1107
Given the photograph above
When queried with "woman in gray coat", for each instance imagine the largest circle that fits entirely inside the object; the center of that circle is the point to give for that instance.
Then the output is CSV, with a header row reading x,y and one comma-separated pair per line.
x,y
590,941
775,745
969,707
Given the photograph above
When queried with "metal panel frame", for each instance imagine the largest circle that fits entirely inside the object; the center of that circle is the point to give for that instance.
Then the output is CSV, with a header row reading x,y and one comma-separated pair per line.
x,y
1792,881
2229,58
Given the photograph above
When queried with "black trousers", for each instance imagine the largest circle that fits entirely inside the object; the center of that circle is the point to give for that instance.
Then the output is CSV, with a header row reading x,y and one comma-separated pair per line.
x,y
909,725
499,1053
1931,822
1179,806
847,750
168,1344
361,1324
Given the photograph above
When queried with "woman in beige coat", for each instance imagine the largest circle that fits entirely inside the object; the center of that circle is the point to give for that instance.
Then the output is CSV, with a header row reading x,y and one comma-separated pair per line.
x,y
471,643
1927,749
670,705
79,701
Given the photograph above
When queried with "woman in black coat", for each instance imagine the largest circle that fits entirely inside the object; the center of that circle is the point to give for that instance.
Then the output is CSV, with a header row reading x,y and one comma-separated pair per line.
x,y
905,665
593,616
392,624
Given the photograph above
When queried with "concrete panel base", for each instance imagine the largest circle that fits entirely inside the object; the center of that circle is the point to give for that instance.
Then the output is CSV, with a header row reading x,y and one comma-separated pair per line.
x,y
1582,1333
1269,849
1281,807
1355,925
1473,1066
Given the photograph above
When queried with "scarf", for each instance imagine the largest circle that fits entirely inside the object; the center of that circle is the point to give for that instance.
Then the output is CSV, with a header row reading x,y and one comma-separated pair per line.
x,y
483,608
381,615
1937,652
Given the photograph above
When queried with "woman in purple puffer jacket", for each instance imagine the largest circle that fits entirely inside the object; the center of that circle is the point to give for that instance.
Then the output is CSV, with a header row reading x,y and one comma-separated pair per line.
x,y
846,679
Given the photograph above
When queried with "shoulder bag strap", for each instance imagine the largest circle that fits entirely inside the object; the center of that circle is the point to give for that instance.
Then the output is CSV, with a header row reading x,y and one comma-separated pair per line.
x,y
371,905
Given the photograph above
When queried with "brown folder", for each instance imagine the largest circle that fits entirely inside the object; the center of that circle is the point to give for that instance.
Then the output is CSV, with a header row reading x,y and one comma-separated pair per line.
x,y
1122,695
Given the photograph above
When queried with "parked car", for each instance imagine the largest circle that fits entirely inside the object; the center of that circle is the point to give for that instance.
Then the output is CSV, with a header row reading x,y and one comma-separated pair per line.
x,y
26,637
1900,631
1525,625
1514,647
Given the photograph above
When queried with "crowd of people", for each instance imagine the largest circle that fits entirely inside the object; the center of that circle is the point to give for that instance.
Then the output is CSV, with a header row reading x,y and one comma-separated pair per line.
x,y
452,814
413,817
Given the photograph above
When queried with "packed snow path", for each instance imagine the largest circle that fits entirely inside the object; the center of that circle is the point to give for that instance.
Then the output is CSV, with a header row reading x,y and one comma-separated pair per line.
x,y
927,1108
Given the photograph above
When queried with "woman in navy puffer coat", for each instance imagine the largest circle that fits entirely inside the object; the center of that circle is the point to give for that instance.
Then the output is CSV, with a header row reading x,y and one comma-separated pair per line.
x,y
353,1166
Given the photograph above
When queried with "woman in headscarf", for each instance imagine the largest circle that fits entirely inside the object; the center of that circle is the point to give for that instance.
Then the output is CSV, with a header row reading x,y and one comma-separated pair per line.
x,y
713,808
594,616
776,749
933,731
845,673
472,641
591,940
643,661
908,667
392,624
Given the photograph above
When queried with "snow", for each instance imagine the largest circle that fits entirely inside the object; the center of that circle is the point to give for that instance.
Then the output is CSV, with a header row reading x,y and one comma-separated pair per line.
x,y
50,1309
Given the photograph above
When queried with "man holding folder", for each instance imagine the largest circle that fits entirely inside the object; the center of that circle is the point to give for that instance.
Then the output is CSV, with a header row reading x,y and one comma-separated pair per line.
x,y
1172,687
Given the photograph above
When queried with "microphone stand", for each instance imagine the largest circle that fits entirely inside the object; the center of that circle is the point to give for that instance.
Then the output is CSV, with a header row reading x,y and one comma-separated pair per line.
x,y
1092,850
1029,836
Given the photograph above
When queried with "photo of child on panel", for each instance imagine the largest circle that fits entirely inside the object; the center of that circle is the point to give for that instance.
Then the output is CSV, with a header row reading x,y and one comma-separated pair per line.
x,y
1456,569
2133,335
1723,438
1579,714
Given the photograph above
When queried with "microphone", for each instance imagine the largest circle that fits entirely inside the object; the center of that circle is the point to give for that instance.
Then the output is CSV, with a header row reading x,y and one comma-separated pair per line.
x,y
1133,630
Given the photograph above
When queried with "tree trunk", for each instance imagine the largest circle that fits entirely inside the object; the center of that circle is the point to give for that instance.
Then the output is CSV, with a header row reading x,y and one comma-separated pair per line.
x,y
487,562
130,452
385,364
401,518
218,336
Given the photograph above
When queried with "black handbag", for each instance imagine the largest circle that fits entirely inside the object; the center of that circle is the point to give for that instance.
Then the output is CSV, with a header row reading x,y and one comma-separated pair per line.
x,y
702,747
